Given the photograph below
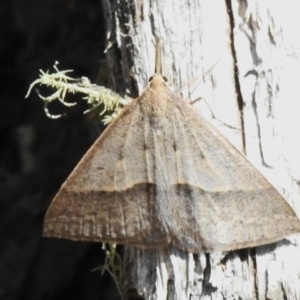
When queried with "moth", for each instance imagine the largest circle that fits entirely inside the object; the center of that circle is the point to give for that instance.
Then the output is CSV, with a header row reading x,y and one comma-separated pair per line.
x,y
161,174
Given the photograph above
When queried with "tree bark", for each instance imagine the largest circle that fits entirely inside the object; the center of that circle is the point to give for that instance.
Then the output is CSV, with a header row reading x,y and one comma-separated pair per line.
x,y
242,59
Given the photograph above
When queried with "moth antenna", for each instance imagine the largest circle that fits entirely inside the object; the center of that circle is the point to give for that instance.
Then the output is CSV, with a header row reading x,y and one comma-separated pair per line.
x,y
158,60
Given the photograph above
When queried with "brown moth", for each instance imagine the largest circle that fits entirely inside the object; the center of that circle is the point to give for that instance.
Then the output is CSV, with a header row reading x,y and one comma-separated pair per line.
x,y
162,174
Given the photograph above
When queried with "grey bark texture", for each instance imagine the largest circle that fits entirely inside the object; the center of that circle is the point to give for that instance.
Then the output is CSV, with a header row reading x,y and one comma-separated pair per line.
x,y
242,59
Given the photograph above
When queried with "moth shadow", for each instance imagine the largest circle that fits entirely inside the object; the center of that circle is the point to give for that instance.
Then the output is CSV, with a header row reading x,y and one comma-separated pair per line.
x,y
265,249
243,254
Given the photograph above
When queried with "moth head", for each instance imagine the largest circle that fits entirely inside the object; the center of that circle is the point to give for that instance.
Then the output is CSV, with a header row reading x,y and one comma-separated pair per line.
x,y
157,80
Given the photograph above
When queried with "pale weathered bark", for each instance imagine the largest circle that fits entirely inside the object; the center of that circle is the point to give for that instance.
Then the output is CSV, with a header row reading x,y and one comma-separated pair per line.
x,y
254,105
